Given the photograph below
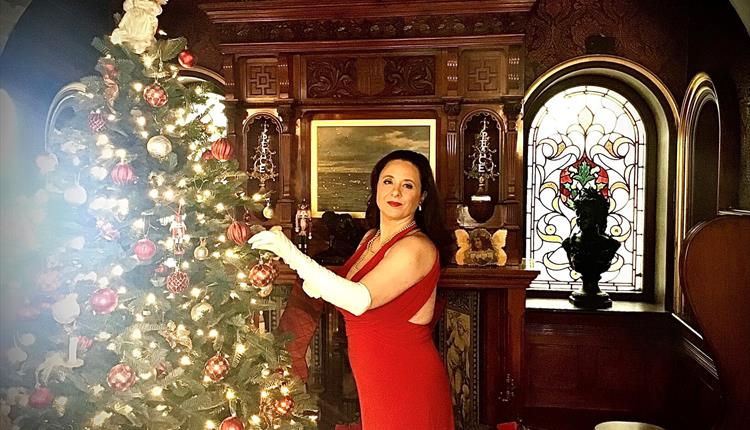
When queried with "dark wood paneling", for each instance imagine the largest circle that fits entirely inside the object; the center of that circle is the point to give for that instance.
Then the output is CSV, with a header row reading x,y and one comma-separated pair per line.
x,y
584,367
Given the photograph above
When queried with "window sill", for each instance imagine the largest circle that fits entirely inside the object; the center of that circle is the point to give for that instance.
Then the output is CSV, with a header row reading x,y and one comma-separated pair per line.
x,y
618,306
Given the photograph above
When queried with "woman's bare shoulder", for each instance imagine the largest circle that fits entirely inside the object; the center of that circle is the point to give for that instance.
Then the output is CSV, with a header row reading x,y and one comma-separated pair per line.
x,y
417,243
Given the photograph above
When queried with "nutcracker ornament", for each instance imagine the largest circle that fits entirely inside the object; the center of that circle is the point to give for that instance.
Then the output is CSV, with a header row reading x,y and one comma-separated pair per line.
x,y
178,229
303,226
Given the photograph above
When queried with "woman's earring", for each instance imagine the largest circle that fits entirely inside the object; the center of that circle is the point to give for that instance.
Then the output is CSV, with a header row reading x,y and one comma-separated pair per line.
x,y
419,207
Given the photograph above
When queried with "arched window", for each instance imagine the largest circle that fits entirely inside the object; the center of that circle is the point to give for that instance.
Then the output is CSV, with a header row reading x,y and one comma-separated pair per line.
x,y
606,123
586,137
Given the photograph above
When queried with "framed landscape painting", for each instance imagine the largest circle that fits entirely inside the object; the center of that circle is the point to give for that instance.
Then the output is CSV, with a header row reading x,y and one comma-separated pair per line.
x,y
343,153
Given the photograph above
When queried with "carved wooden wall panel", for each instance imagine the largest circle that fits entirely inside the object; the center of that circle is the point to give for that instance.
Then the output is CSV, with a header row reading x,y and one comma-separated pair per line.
x,y
491,73
259,78
369,76
650,33
374,28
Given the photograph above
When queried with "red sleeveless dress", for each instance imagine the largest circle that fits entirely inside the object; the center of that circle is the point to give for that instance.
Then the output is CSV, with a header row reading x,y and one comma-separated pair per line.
x,y
401,381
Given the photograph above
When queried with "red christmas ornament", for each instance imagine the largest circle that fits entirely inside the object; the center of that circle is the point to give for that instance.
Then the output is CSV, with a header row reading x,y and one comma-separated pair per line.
x,y
123,173
155,95
186,59
222,149
283,406
207,155
216,367
232,423
161,370
238,232
144,249
177,282
121,377
262,275
103,301
41,398
85,343
97,122
161,270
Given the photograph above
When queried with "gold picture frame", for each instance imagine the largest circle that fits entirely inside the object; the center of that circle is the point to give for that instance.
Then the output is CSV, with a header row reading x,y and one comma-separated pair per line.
x,y
343,153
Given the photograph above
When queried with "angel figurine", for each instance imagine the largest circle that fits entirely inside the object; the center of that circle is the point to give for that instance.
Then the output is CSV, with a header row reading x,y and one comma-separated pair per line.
x,y
480,248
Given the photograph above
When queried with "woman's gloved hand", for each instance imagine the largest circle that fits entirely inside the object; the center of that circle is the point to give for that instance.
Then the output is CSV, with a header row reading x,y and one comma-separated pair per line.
x,y
319,282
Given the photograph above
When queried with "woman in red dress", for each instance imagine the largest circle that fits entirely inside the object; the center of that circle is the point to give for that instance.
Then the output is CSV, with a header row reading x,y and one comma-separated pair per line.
x,y
386,292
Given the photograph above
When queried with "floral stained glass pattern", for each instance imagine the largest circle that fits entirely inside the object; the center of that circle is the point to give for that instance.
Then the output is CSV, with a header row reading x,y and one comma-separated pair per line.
x,y
586,136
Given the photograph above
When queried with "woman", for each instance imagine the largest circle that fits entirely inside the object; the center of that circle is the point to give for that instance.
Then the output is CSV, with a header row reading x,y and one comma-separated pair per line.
x,y
386,293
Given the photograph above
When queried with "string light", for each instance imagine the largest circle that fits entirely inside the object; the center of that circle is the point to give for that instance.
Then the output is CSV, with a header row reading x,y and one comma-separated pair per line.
x,y
107,153
185,361
156,391
197,168
102,140
195,292
150,299
136,334
117,270
213,333
231,395
137,353
141,120
240,348
138,86
139,224
154,193
222,238
210,424
220,207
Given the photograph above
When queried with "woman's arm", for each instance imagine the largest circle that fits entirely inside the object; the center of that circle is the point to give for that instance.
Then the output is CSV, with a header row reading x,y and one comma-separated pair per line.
x,y
405,264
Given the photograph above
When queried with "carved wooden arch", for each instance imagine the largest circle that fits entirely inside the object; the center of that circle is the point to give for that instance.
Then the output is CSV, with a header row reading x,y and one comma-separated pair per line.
x,y
62,100
250,143
663,113
700,93
502,126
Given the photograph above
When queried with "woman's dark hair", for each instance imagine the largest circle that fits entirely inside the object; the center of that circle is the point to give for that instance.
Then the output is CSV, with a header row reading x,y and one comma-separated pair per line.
x,y
430,218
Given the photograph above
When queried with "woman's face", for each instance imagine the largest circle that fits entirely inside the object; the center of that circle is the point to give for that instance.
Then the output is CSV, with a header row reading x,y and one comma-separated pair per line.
x,y
398,193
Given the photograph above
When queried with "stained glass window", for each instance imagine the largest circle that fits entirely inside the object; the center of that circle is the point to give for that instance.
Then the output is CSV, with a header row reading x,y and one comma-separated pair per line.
x,y
585,136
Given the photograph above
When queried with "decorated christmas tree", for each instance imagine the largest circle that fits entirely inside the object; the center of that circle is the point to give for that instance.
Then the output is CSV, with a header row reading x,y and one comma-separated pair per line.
x,y
144,307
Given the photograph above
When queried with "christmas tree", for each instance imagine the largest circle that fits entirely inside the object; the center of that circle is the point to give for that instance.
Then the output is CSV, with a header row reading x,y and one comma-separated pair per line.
x,y
145,307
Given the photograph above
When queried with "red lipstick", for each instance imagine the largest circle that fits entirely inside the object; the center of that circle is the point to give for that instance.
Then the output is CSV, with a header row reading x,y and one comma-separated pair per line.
x,y
394,204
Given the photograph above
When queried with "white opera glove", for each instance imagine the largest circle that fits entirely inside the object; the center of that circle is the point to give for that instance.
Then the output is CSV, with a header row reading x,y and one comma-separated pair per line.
x,y
319,281
311,290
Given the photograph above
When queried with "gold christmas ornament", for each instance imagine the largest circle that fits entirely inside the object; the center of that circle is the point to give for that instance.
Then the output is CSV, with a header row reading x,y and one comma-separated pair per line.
x,y
200,311
201,252
159,146
177,335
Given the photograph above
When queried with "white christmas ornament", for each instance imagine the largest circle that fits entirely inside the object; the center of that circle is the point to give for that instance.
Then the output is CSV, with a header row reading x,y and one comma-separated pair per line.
x,y
77,243
138,26
46,163
99,172
66,310
27,339
16,355
159,146
75,195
